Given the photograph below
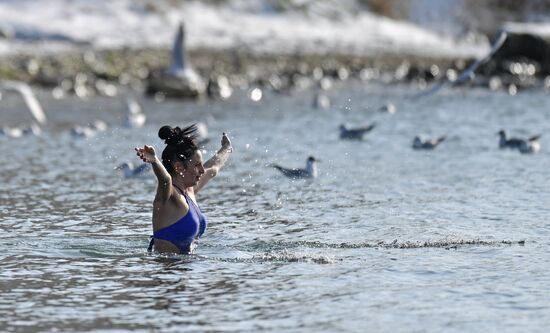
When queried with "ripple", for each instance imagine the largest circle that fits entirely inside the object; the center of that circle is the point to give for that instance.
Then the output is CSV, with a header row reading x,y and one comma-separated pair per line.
x,y
395,244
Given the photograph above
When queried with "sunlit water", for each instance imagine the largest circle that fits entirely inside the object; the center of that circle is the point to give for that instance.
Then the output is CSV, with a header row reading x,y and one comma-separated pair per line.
x,y
387,239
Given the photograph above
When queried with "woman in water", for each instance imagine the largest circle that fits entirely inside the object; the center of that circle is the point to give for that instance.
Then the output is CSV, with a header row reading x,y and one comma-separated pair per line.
x,y
177,219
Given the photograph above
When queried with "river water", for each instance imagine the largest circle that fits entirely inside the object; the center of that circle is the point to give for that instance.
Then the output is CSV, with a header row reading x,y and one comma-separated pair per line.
x,y
386,239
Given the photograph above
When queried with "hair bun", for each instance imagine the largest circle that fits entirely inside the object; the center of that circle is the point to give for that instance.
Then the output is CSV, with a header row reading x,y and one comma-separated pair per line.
x,y
167,134
176,135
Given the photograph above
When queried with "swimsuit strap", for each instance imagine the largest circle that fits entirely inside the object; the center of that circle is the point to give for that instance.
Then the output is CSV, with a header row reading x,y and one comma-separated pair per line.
x,y
179,189
187,198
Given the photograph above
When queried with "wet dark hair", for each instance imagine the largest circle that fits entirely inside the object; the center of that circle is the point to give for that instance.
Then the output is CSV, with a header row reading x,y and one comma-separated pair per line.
x,y
180,145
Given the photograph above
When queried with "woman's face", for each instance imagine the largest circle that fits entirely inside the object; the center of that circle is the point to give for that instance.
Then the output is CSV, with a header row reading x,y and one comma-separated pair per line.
x,y
192,170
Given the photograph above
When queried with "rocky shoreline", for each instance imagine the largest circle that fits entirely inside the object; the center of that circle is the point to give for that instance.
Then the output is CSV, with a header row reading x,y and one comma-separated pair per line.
x,y
96,70
48,70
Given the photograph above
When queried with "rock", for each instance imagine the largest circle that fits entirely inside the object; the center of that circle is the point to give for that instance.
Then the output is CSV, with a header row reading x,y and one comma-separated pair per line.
x,y
524,45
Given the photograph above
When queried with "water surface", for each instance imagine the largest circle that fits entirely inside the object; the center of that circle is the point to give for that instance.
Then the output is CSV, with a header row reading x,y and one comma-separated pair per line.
x,y
386,239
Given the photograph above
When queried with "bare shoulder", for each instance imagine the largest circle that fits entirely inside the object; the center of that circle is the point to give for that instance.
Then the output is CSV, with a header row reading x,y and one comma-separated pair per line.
x,y
175,201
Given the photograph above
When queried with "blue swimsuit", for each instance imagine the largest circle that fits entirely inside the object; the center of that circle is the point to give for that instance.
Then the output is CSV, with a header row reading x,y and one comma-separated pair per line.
x,y
185,230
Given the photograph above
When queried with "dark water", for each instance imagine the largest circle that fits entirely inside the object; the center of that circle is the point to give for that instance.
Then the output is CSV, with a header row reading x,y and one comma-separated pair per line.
x,y
387,239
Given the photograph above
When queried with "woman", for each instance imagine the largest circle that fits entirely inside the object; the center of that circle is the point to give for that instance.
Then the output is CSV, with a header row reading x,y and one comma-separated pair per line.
x,y
177,219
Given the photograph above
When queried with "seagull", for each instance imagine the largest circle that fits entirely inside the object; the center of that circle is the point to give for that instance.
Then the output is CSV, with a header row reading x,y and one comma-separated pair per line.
x,y
98,125
130,171
355,133
309,172
525,146
469,72
88,131
321,101
81,132
19,131
28,96
418,143
180,79
134,116
219,86
179,66
388,108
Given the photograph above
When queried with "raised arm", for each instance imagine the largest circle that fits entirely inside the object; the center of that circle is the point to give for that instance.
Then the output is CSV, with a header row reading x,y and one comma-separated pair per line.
x,y
164,186
214,164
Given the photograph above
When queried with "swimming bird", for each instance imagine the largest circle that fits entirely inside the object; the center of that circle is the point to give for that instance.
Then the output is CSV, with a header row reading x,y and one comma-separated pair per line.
x,y
356,133
130,171
388,108
88,131
525,146
419,143
219,87
310,170
134,116
20,131
321,101
180,79
529,147
98,125
28,96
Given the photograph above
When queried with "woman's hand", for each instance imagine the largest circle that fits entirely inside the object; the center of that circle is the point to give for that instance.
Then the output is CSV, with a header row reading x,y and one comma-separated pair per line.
x,y
226,143
147,154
